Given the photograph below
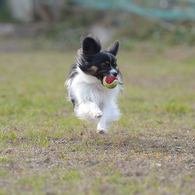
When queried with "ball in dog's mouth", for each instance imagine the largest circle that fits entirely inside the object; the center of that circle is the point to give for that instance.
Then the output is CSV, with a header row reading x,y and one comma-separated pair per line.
x,y
110,82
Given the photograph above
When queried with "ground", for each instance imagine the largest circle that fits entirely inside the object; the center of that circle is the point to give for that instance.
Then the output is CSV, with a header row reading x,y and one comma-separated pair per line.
x,y
44,149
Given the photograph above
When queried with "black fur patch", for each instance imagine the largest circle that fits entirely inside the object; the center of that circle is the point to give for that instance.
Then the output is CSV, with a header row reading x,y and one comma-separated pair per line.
x,y
91,45
95,62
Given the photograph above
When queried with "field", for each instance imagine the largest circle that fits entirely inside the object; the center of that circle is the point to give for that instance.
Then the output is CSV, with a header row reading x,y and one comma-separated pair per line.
x,y
44,149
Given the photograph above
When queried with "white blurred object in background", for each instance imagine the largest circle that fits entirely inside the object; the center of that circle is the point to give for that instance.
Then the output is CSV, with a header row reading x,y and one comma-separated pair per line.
x,y
22,10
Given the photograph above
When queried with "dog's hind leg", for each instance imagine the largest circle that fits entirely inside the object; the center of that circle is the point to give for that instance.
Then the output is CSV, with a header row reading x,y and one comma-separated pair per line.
x,y
101,127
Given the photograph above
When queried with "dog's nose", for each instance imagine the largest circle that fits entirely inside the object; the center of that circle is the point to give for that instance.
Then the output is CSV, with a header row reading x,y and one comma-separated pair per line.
x,y
115,74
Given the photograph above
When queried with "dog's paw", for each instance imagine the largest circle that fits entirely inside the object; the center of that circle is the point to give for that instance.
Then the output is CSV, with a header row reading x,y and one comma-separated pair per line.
x,y
97,114
101,131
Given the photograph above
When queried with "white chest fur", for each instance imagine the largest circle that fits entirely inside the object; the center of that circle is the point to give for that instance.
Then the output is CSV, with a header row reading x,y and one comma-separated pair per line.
x,y
89,88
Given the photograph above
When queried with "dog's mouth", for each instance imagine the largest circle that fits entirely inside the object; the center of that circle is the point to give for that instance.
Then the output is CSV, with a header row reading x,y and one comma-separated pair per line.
x,y
110,80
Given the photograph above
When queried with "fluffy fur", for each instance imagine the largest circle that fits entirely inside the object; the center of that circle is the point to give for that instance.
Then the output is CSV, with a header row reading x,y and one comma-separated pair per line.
x,y
91,100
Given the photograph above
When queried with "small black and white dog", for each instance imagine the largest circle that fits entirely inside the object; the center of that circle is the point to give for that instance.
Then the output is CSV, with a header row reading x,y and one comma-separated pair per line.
x,y
91,100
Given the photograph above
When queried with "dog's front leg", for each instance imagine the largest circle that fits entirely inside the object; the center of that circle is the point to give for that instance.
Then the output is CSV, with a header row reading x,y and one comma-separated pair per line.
x,y
95,110
88,110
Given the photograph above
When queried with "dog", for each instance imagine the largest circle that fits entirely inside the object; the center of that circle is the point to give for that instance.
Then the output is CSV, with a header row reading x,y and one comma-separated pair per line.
x,y
91,100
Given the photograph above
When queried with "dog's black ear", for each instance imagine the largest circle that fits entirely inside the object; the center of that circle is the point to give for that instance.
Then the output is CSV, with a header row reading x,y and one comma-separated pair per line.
x,y
90,45
113,49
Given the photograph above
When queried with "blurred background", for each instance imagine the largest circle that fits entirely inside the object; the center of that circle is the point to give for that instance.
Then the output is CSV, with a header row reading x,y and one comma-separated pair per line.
x,y
59,24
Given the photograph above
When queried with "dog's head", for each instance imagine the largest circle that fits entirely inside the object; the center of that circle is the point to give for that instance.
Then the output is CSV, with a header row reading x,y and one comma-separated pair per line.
x,y
95,62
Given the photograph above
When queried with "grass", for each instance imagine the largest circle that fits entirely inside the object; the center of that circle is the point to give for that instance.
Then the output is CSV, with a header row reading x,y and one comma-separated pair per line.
x,y
44,149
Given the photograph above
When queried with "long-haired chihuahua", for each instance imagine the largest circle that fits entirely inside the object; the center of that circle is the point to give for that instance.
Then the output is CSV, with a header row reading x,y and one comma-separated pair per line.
x,y
91,100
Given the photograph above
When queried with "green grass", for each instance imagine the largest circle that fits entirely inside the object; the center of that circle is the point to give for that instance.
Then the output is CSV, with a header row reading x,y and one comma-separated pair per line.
x,y
44,149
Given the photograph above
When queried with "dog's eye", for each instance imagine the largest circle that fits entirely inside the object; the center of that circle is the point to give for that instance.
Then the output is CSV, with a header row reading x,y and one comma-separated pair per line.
x,y
104,65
